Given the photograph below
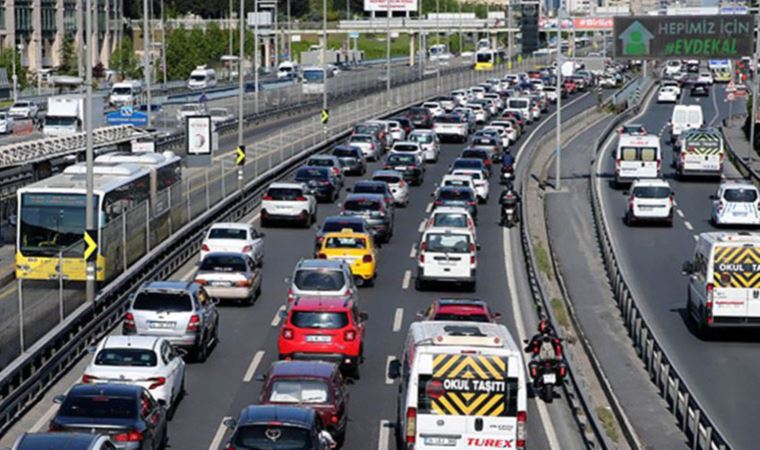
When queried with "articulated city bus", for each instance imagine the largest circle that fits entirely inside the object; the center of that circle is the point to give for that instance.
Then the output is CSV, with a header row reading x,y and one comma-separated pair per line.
x,y
51,217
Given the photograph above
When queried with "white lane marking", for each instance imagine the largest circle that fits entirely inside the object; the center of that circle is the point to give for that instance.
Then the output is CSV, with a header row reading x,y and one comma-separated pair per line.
x,y
188,275
407,279
44,421
688,225
680,213
387,364
398,320
421,228
429,207
384,436
715,104
551,434
413,251
254,365
219,435
277,316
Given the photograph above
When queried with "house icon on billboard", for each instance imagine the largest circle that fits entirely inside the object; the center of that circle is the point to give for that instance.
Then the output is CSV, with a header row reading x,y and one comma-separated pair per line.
x,y
636,39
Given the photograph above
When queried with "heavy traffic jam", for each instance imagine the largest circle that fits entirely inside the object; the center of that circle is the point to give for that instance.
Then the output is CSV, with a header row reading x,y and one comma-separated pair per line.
x,y
459,361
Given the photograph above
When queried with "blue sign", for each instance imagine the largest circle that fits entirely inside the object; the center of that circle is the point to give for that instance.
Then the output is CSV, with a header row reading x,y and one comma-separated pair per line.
x,y
353,34
736,9
126,115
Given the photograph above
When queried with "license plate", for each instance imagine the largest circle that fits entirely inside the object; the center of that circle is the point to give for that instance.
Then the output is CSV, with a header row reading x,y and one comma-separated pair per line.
x,y
318,338
440,440
401,168
550,378
156,324
221,283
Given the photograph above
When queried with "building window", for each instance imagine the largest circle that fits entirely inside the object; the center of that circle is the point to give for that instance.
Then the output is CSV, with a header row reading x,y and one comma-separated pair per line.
x,y
48,16
69,16
23,19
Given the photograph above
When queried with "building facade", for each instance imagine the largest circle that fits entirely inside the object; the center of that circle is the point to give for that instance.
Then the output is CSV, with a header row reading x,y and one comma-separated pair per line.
x,y
39,28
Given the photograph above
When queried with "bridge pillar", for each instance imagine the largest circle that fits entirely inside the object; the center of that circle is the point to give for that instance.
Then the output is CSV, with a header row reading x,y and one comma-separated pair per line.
x,y
494,40
267,52
411,49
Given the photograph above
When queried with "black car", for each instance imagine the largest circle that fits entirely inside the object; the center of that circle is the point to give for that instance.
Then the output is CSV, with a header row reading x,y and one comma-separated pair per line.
x,y
353,158
127,413
321,181
700,90
463,197
374,187
67,441
272,426
340,223
420,117
470,163
485,154
409,165
406,124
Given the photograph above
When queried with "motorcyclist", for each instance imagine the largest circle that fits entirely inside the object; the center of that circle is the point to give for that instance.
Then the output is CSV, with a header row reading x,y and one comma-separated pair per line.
x,y
507,163
545,344
509,198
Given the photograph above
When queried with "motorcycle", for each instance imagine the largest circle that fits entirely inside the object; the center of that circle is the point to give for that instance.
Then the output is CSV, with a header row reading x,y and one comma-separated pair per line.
x,y
507,173
509,215
546,374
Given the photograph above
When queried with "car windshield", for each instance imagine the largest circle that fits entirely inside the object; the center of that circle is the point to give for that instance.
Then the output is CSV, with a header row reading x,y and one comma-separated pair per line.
x,y
163,301
319,280
99,407
260,437
227,233
136,357
450,220
223,263
651,192
299,391
311,174
740,195
284,193
346,242
447,243
121,91
323,320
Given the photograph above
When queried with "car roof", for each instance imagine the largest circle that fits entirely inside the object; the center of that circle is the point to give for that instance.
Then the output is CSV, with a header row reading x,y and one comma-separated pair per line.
x,y
650,182
352,219
311,263
58,441
370,182
170,285
414,143
363,196
290,415
450,210
319,369
141,342
330,157
351,233
460,301
227,254
233,225
448,230
321,303
422,131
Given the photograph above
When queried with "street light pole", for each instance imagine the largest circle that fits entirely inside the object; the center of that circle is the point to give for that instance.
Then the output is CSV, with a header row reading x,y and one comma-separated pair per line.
x,y
276,38
324,60
229,25
89,154
14,77
290,35
241,114
557,153
437,44
146,56
388,52
163,44
256,55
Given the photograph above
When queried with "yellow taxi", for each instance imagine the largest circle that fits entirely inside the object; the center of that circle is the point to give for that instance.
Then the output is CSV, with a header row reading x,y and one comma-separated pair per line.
x,y
357,249
722,76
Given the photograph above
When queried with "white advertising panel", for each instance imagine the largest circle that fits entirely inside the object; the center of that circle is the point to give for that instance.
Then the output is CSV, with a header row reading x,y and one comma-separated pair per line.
x,y
393,5
199,135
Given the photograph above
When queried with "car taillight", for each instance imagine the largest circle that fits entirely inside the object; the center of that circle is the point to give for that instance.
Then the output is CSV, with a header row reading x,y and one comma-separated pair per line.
x,y
562,371
720,206
367,258
631,202
683,157
672,199
201,281
659,164
617,165
287,333
521,430
205,248
411,425
266,197
401,184
86,379
472,203
246,249
300,199
438,202
321,255
291,296
130,436
195,323
709,303
129,321
349,335
55,427
244,283
156,382
372,146
334,418
335,171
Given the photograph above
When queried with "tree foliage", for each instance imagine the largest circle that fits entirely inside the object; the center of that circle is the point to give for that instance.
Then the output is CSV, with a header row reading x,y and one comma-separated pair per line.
x,y
124,61
6,62
69,58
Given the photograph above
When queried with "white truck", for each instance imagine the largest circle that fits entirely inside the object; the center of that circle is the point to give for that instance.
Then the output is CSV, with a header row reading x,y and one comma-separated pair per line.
x,y
66,114
124,93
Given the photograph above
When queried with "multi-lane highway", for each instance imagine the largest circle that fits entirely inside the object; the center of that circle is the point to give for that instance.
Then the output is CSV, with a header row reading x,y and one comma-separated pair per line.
x,y
226,383
721,373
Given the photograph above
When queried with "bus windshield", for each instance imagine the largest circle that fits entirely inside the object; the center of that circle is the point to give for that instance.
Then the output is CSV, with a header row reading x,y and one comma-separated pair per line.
x,y
51,223
484,57
313,76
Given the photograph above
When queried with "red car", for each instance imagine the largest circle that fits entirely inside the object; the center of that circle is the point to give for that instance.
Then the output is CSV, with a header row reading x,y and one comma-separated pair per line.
x,y
324,328
459,310
312,384
570,85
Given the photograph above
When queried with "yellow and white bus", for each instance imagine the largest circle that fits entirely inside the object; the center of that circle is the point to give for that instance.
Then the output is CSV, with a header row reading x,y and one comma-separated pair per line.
x,y
486,59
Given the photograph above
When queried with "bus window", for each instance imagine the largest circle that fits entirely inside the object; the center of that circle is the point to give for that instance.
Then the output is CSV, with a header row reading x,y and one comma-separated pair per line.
x,y
49,223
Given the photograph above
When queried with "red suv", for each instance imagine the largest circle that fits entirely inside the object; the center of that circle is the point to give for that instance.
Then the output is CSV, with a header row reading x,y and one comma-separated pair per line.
x,y
459,309
313,384
324,328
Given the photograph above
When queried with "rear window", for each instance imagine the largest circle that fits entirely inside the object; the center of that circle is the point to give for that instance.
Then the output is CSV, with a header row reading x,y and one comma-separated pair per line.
x,y
457,183
471,163
345,153
455,194
421,138
390,179
321,162
299,391
259,437
311,174
319,280
651,192
322,320
339,226
450,220
518,104
369,189
284,194
645,154
360,139
403,159
405,148
448,119
740,195
227,233
479,154
163,301
136,357
100,407
346,242
462,317
223,263
364,204
447,243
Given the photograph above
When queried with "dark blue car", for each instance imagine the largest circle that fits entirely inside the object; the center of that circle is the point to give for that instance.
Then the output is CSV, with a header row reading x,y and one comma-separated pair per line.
x,y
267,427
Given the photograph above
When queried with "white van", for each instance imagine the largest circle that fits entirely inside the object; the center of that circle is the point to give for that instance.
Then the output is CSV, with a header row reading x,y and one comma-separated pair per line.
x,y
521,104
202,78
462,386
287,70
637,157
724,281
685,117
701,152
447,255
125,93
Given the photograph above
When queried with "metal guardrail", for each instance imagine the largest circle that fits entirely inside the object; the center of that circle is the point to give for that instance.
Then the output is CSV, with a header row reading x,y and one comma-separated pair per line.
x,y
694,421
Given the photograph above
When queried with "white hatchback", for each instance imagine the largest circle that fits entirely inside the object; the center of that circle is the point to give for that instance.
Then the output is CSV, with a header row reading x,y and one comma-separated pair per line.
x,y
428,140
290,202
736,203
482,186
395,181
234,237
650,200
667,94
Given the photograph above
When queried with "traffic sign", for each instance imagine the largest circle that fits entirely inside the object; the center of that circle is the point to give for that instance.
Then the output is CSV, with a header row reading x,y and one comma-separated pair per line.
x,y
325,116
240,158
731,87
730,96
91,241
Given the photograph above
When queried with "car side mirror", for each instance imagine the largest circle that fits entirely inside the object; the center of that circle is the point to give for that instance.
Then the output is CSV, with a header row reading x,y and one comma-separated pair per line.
x,y
230,423
92,349
363,316
498,315
261,377
286,280
713,197
394,369
687,268
626,192
420,314
58,399
349,189
283,313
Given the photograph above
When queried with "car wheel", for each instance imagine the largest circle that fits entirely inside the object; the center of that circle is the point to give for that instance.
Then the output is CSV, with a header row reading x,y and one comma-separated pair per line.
x,y
472,286
419,284
201,353
264,223
164,439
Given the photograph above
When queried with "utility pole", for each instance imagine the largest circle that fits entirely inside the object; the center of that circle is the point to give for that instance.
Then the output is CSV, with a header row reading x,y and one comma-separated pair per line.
x,y
510,49
14,77
146,57
437,43
557,153
290,34
324,60
460,28
388,52
229,25
89,154
276,38
255,55
241,114
163,43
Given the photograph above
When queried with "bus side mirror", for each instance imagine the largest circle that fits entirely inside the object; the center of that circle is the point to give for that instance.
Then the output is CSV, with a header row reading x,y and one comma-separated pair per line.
x,y
394,369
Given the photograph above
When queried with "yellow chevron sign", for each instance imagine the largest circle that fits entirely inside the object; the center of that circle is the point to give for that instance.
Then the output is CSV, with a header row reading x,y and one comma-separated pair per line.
x,y
91,241
240,155
324,116
737,267
468,385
